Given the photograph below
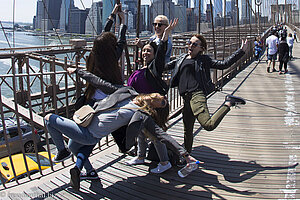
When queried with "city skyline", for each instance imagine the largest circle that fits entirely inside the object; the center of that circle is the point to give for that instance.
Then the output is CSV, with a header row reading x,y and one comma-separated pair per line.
x,y
24,12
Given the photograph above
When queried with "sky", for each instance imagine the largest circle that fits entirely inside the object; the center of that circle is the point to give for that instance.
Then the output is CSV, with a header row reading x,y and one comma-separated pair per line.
x,y
26,9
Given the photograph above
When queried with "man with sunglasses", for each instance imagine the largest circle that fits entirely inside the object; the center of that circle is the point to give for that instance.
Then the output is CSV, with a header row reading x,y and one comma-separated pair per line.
x,y
191,75
160,23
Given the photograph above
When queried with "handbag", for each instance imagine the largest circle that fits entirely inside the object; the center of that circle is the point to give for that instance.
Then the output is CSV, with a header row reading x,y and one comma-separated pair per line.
x,y
84,115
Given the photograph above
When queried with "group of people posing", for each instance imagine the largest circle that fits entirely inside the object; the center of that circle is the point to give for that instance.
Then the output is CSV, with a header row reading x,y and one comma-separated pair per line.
x,y
280,42
139,109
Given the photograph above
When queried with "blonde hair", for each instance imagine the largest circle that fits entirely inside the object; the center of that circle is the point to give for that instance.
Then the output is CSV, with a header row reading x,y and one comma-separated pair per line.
x,y
160,115
163,18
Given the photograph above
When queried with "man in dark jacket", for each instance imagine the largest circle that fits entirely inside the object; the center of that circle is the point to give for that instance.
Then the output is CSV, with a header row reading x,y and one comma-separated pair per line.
x,y
192,77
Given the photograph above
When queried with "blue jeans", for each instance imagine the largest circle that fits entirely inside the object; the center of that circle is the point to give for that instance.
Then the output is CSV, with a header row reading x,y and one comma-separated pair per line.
x,y
82,152
59,126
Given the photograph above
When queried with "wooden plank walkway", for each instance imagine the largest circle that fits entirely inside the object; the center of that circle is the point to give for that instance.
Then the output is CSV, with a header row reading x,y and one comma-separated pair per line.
x,y
249,156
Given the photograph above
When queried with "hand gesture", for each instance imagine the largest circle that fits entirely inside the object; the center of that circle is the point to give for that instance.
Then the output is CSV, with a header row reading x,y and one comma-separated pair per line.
x,y
116,9
169,28
71,70
245,45
121,14
138,42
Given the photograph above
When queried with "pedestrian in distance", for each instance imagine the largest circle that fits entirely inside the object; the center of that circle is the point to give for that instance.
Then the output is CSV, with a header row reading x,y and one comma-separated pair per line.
x,y
258,47
295,35
290,42
272,43
283,51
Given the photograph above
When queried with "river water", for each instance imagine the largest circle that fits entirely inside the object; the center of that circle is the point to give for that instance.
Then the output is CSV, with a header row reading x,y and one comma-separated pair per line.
x,y
22,39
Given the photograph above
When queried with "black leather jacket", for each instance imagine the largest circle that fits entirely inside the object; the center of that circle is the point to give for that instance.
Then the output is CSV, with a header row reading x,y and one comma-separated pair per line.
x,y
122,36
203,64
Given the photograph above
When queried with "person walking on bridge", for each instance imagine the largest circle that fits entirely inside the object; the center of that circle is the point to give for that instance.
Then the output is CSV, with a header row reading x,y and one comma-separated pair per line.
x,y
192,77
272,43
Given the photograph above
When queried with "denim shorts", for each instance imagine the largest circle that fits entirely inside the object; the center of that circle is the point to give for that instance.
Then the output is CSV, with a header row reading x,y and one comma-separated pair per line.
x,y
272,57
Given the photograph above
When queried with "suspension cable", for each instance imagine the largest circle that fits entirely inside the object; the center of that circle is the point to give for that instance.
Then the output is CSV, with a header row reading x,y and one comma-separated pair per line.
x,y
5,34
92,23
53,25
14,2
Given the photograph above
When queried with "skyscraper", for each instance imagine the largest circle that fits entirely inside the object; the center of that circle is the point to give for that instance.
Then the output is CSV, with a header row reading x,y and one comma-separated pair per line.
x,y
66,5
93,24
218,8
107,7
246,11
180,13
48,14
163,7
77,20
145,18
196,5
39,14
184,3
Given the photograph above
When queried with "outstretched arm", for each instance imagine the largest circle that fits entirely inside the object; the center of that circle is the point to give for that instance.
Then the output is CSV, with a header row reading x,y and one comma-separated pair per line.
x,y
224,64
94,80
111,18
122,33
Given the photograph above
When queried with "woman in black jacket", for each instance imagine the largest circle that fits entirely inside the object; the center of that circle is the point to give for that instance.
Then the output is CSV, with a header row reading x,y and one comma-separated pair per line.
x,y
283,50
192,77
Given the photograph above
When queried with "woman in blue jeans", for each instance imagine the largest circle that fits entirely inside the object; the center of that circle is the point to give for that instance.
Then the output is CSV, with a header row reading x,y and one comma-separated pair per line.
x,y
122,107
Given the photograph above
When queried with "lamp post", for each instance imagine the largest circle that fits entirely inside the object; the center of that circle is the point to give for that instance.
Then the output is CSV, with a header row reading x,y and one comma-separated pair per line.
x,y
258,3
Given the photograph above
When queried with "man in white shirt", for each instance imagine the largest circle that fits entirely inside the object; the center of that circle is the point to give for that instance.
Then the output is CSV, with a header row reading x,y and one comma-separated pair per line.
x,y
272,44
290,41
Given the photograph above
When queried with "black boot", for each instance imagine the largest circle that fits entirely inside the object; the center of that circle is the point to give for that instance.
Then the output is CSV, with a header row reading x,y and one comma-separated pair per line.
x,y
234,101
75,178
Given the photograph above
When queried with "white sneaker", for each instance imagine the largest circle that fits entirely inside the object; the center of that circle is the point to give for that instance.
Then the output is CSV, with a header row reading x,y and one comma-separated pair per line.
x,y
135,161
161,168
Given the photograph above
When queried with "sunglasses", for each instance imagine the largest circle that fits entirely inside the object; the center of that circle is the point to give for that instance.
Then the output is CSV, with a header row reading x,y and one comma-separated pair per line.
x,y
158,24
194,44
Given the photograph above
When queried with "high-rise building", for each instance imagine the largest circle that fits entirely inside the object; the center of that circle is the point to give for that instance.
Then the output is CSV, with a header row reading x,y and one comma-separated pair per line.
x,y
192,19
145,22
94,21
107,7
208,12
196,5
130,20
163,7
184,3
48,14
246,11
77,20
39,14
228,7
132,7
54,14
218,8
66,5
180,13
